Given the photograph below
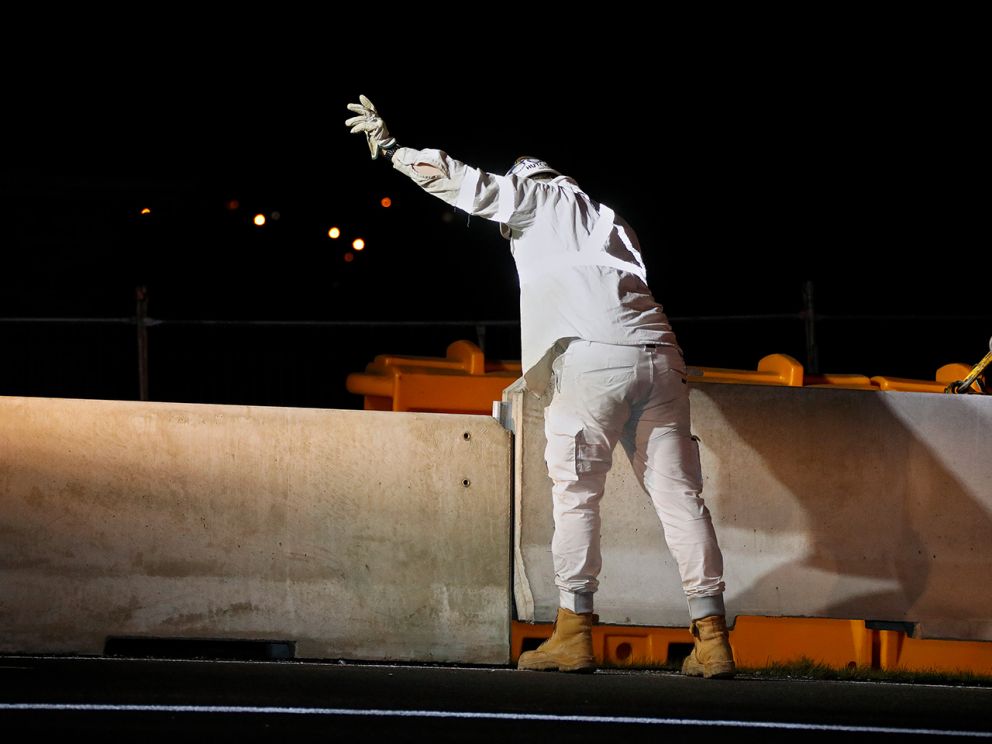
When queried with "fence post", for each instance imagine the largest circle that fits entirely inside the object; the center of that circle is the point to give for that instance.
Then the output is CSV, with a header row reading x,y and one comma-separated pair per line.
x,y
141,316
480,334
809,315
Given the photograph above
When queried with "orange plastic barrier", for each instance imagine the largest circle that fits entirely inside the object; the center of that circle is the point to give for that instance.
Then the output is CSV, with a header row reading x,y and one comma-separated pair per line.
x,y
896,650
853,382
461,382
763,641
614,645
954,372
774,369
908,386
464,382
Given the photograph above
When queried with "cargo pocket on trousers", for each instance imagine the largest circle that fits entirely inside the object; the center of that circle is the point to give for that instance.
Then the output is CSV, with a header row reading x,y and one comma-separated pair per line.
x,y
561,430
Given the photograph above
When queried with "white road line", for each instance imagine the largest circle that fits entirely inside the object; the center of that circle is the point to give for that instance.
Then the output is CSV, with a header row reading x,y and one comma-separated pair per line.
x,y
481,715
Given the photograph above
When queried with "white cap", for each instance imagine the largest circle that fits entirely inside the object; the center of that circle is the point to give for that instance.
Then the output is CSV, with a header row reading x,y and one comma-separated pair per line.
x,y
526,167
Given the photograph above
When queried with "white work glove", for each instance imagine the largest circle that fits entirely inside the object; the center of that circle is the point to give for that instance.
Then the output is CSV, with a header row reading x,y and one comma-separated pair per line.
x,y
369,121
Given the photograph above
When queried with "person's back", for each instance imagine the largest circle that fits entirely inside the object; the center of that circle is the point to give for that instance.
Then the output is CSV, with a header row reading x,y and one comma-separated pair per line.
x,y
581,276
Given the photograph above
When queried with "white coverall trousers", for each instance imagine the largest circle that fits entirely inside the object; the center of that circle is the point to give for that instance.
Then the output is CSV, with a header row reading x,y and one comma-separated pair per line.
x,y
637,395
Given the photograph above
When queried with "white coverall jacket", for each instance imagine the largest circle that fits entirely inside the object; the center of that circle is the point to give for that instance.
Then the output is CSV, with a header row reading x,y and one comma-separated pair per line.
x,y
589,321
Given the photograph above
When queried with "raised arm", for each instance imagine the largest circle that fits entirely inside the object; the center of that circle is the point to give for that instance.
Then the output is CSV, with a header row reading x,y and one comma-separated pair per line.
x,y
509,200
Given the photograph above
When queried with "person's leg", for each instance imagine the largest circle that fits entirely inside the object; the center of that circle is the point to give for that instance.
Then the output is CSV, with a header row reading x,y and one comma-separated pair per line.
x,y
582,424
665,458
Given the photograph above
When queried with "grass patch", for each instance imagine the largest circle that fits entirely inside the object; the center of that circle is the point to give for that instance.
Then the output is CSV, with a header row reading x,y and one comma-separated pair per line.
x,y
808,669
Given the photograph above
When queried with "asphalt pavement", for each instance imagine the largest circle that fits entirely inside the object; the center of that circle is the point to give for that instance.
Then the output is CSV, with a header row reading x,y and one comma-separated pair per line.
x,y
187,700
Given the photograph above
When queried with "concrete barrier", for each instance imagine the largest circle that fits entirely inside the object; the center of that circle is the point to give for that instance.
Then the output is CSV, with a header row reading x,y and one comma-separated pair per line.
x,y
352,534
830,503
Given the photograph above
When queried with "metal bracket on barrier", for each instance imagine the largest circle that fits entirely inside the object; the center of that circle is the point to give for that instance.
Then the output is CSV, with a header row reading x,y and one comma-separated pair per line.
x,y
503,412
909,628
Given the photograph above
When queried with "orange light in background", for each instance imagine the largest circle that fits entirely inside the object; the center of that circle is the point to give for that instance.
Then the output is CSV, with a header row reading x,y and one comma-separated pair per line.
x,y
259,219
232,204
349,257
358,244
146,210
386,202
334,233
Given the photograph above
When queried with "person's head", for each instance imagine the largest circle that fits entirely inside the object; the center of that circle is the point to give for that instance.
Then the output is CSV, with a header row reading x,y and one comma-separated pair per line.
x,y
527,166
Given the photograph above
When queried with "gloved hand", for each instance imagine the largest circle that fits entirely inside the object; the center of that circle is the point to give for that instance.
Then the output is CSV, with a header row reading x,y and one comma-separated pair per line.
x,y
369,121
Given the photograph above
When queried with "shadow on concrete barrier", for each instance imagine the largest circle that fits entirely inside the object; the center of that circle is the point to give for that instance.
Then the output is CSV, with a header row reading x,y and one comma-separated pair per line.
x,y
885,498
829,503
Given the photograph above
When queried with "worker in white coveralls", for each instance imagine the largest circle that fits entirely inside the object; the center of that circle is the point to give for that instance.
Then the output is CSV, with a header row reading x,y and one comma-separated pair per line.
x,y
590,328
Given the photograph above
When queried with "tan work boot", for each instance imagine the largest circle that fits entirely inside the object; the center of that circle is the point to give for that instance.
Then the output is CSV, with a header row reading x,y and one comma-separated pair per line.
x,y
711,654
569,649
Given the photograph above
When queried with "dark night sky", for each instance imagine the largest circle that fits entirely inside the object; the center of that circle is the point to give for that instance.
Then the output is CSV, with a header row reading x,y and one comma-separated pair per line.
x,y
746,169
